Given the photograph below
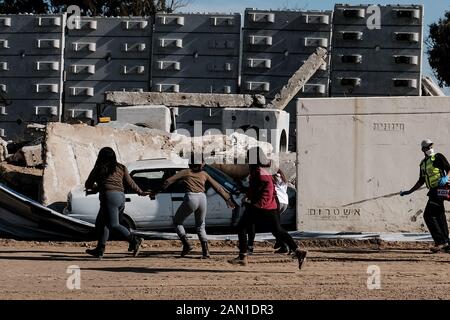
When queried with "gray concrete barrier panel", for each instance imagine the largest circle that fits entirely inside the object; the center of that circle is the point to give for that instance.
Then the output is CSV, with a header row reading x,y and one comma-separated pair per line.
x,y
112,70
85,112
30,88
30,66
356,154
198,23
390,37
31,111
30,44
270,86
112,27
30,23
347,83
398,60
395,15
288,20
285,42
108,47
196,43
191,67
276,64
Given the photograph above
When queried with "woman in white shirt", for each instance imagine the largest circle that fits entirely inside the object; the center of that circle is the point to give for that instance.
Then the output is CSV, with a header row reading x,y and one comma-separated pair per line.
x,y
281,186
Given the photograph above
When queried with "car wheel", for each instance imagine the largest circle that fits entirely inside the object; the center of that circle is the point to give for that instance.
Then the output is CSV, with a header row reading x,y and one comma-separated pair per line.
x,y
127,222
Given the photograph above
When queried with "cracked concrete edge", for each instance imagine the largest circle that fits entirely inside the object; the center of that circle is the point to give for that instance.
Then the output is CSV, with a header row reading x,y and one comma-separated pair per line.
x,y
170,99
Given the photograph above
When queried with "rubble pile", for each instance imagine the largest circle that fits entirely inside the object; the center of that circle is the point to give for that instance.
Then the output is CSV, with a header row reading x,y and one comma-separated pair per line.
x,y
70,151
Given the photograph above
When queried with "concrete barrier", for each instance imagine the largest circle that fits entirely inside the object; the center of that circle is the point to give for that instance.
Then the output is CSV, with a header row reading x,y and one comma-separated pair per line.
x,y
356,154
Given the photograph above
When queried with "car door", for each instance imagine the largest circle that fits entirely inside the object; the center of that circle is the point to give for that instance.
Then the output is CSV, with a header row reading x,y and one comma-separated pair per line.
x,y
217,214
146,213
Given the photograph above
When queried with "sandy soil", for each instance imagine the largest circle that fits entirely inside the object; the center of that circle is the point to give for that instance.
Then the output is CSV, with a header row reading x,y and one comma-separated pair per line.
x,y
334,270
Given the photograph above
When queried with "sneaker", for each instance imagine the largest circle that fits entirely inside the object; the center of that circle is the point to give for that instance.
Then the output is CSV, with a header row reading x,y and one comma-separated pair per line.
x,y
97,253
282,250
440,248
186,250
301,256
250,250
240,260
137,246
277,245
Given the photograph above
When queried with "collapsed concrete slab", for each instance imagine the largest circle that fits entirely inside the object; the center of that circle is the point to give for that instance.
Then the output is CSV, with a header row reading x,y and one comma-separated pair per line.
x,y
170,99
299,79
71,151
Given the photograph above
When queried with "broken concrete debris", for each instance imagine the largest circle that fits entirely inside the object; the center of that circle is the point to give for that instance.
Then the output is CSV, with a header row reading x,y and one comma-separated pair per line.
x,y
71,151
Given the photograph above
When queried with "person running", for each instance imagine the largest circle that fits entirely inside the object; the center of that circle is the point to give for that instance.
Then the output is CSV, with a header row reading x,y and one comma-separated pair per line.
x,y
110,179
194,180
261,207
281,185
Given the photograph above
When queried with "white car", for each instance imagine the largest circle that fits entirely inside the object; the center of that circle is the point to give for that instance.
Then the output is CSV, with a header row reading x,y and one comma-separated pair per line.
x,y
143,213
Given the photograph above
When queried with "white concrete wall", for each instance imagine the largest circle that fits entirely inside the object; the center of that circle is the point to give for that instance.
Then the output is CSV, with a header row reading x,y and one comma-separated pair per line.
x,y
155,117
356,154
275,121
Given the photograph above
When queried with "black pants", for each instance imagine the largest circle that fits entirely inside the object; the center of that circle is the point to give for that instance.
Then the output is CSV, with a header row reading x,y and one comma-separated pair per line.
x,y
252,231
267,218
436,220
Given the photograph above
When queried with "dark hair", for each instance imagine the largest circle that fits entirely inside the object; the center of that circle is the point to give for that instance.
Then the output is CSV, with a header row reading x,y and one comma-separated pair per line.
x,y
106,162
283,177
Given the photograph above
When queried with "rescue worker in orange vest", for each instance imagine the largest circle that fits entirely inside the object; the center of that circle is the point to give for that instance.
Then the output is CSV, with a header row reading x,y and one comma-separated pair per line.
x,y
434,170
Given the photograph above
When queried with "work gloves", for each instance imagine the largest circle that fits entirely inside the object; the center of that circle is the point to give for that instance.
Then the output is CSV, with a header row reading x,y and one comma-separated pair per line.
x,y
404,193
443,181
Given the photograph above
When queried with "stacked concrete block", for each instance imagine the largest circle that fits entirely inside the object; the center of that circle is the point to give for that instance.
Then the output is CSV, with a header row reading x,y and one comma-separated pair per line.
x,y
104,54
197,53
276,44
377,50
31,68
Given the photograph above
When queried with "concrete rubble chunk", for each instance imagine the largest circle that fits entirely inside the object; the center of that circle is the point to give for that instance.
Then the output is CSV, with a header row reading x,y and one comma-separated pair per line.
x,y
71,151
170,99
31,155
3,150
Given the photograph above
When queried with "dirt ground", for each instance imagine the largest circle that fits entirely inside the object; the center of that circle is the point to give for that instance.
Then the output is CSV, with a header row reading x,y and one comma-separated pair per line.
x,y
334,270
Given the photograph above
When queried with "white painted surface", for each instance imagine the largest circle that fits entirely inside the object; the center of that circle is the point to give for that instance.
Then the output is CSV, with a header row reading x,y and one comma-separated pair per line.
x,y
356,154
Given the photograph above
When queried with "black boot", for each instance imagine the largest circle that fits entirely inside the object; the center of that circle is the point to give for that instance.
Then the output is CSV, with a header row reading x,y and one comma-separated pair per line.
x,y
186,246
135,244
205,250
97,252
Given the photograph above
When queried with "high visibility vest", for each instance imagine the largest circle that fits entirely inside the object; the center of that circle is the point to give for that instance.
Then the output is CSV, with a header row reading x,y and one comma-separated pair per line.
x,y
430,172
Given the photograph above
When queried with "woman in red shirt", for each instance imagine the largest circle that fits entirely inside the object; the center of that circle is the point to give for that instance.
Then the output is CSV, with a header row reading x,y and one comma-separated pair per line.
x,y
261,207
